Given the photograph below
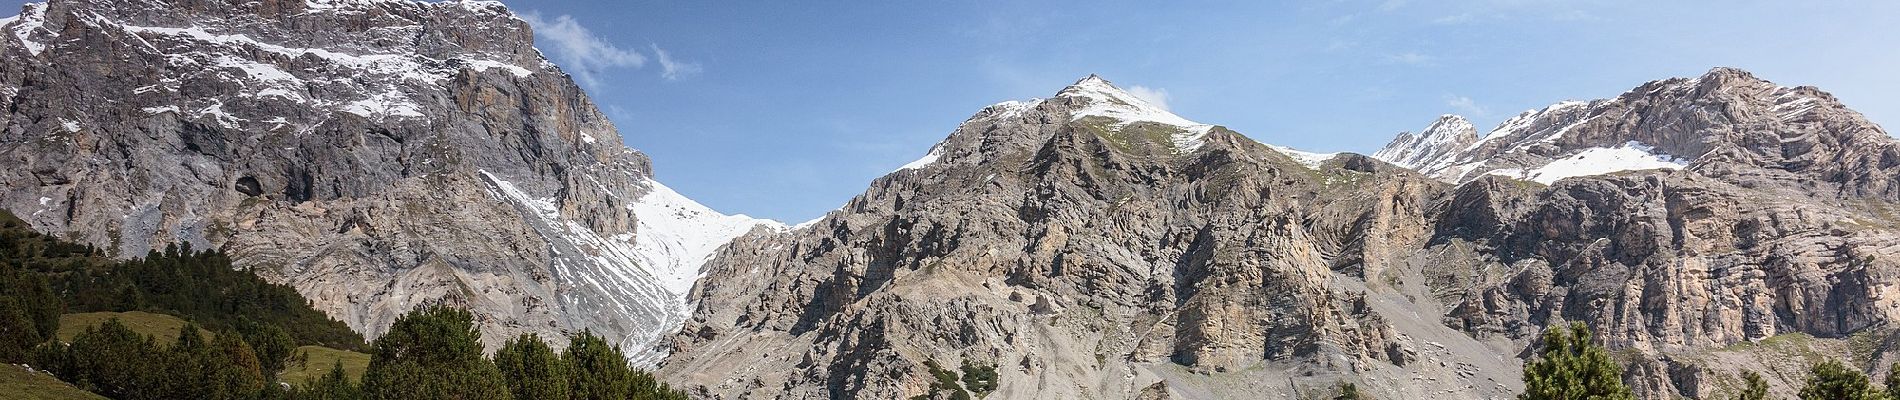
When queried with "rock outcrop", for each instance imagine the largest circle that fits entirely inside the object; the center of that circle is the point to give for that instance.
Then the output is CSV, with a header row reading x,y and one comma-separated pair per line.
x,y
1092,246
375,154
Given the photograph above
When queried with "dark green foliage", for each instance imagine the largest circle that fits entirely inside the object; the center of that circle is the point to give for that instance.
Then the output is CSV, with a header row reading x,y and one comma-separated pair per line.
x,y
272,344
335,385
116,362
1831,380
1568,366
980,379
1754,387
943,381
532,369
432,353
29,312
113,361
1349,391
199,286
598,370
1893,380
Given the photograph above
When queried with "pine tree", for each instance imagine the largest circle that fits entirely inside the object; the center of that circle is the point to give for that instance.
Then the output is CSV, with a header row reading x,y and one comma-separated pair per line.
x,y
598,370
29,313
334,385
1570,367
1831,380
114,361
273,345
432,353
1754,387
532,369
233,367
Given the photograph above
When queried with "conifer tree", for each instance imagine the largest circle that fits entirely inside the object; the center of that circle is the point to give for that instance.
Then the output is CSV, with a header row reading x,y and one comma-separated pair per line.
x,y
533,370
432,353
1569,367
598,370
1831,380
334,385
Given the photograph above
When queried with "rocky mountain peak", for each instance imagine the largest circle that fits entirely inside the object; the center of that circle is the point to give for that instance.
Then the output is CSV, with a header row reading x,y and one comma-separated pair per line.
x,y
1734,123
375,154
1445,137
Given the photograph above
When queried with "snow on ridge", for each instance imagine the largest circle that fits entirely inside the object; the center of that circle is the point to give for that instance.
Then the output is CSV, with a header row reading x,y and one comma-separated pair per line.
x,y
926,160
1107,100
1630,156
32,17
646,273
1430,146
676,235
1307,158
1523,120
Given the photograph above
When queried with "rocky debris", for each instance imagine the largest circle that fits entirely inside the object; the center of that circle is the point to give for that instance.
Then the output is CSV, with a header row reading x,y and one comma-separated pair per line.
x,y
377,155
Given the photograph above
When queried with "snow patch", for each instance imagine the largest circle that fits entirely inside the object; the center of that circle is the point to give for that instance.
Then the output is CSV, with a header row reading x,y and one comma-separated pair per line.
x,y
70,125
926,160
1631,156
644,273
485,65
1106,100
385,104
217,113
677,235
1307,158
32,18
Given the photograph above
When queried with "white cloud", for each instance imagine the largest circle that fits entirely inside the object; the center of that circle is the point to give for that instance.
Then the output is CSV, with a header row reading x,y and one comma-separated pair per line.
x,y
579,51
1156,96
1391,5
1464,105
672,69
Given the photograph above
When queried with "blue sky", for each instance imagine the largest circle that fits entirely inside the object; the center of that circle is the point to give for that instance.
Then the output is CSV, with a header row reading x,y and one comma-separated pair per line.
x,y
791,108
785,110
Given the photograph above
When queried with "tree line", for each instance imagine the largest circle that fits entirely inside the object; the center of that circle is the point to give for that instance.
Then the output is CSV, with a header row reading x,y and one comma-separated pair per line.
x,y
254,328
436,353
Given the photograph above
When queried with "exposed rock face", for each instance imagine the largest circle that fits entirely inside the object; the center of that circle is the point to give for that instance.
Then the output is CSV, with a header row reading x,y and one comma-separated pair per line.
x,y
1087,253
1441,140
376,155
1092,246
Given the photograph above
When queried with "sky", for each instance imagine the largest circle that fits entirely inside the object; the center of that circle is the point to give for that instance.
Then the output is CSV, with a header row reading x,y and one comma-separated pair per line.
x,y
785,110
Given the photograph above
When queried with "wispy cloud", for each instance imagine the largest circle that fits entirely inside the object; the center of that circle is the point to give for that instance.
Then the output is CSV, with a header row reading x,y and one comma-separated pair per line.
x,y
1392,5
588,56
1453,19
1464,105
673,69
1410,58
1156,96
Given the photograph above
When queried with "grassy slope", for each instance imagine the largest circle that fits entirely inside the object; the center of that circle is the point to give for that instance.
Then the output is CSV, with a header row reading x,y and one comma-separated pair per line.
x,y
18,383
165,329
160,326
319,363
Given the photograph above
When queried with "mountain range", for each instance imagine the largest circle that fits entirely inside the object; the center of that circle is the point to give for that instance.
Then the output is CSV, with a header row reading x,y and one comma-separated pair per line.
x,y
381,155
